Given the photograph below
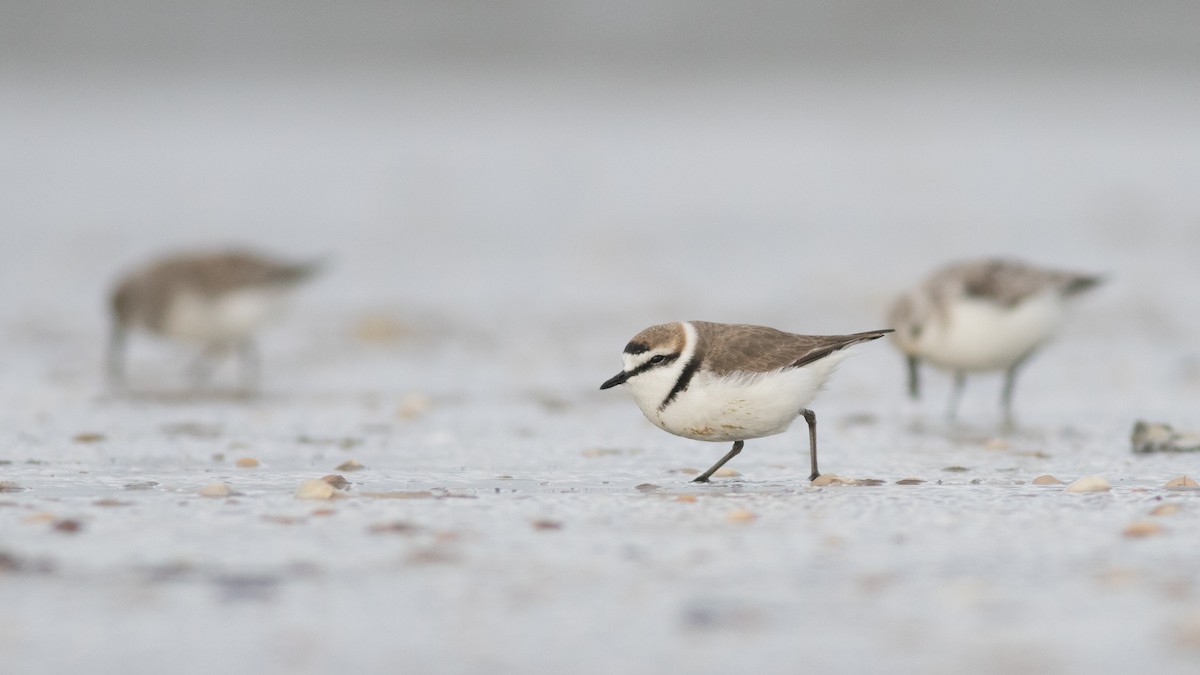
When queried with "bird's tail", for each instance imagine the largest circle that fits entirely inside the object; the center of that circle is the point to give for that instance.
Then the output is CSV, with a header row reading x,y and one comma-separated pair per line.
x,y
301,272
1080,283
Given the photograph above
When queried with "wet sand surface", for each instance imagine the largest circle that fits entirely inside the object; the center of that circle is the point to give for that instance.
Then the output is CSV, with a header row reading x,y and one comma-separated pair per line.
x,y
500,513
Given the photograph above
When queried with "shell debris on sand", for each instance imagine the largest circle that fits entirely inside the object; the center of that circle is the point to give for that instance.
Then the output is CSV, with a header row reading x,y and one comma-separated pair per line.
x,y
740,516
1186,632
88,437
1148,437
1166,510
413,406
1142,528
215,490
68,525
315,488
350,465
338,482
1089,484
1046,479
1182,482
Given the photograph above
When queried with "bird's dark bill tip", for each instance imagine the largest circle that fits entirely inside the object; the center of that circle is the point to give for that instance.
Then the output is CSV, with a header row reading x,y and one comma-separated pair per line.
x,y
613,381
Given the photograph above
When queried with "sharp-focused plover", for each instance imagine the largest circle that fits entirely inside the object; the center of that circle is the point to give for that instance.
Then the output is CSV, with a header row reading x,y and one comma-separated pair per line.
x,y
217,300
729,382
982,315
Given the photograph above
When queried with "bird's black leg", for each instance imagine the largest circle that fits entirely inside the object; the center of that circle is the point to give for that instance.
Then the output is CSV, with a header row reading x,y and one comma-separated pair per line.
x,y
811,418
914,377
960,383
703,478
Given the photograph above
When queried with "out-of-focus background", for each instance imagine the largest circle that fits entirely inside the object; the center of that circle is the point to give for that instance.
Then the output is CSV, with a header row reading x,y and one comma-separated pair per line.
x,y
505,192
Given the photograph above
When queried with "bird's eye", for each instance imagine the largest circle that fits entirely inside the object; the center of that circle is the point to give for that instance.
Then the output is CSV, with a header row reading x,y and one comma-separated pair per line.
x,y
658,359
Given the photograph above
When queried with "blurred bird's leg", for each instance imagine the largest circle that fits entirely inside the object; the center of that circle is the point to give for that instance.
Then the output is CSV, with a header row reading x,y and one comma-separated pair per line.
x,y
914,377
960,383
1010,380
249,363
115,357
201,369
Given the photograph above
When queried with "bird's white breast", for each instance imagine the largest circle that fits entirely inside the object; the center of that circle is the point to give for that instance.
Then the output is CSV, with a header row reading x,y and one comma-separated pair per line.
x,y
228,316
978,335
740,406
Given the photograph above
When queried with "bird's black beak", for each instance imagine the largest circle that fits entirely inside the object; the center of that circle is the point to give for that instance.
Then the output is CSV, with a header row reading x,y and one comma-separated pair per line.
x,y
914,377
613,381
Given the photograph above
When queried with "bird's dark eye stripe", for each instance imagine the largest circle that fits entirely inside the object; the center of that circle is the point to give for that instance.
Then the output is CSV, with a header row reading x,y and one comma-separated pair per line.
x,y
656,361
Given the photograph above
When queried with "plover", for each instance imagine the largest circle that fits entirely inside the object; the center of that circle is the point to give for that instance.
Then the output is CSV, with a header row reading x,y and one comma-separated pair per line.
x,y
217,300
730,382
982,315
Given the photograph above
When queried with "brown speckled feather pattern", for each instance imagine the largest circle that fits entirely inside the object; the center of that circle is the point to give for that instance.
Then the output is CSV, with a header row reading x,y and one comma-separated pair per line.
x,y
732,348
1005,282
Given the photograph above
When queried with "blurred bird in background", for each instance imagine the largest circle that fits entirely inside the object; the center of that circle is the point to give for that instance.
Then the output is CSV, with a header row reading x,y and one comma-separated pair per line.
x,y
217,300
980,316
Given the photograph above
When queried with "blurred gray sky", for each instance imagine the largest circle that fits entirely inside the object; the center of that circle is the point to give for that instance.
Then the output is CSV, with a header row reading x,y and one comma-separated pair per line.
x,y
668,32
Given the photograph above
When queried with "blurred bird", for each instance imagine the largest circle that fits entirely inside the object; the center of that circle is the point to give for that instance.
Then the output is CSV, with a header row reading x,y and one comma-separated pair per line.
x,y
982,315
217,300
729,382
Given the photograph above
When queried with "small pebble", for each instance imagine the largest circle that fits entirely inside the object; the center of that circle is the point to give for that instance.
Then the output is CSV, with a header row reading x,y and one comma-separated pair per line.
x,y
725,473
215,490
647,487
1046,479
315,489
1166,510
995,444
110,502
282,520
1142,528
1089,484
1186,633
740,516
9,486
910,481
140,485
393,527
955,469
246,463
68,525
350,465
88,437
547,524
320,513
338,482
1182,482
413,406
686,498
